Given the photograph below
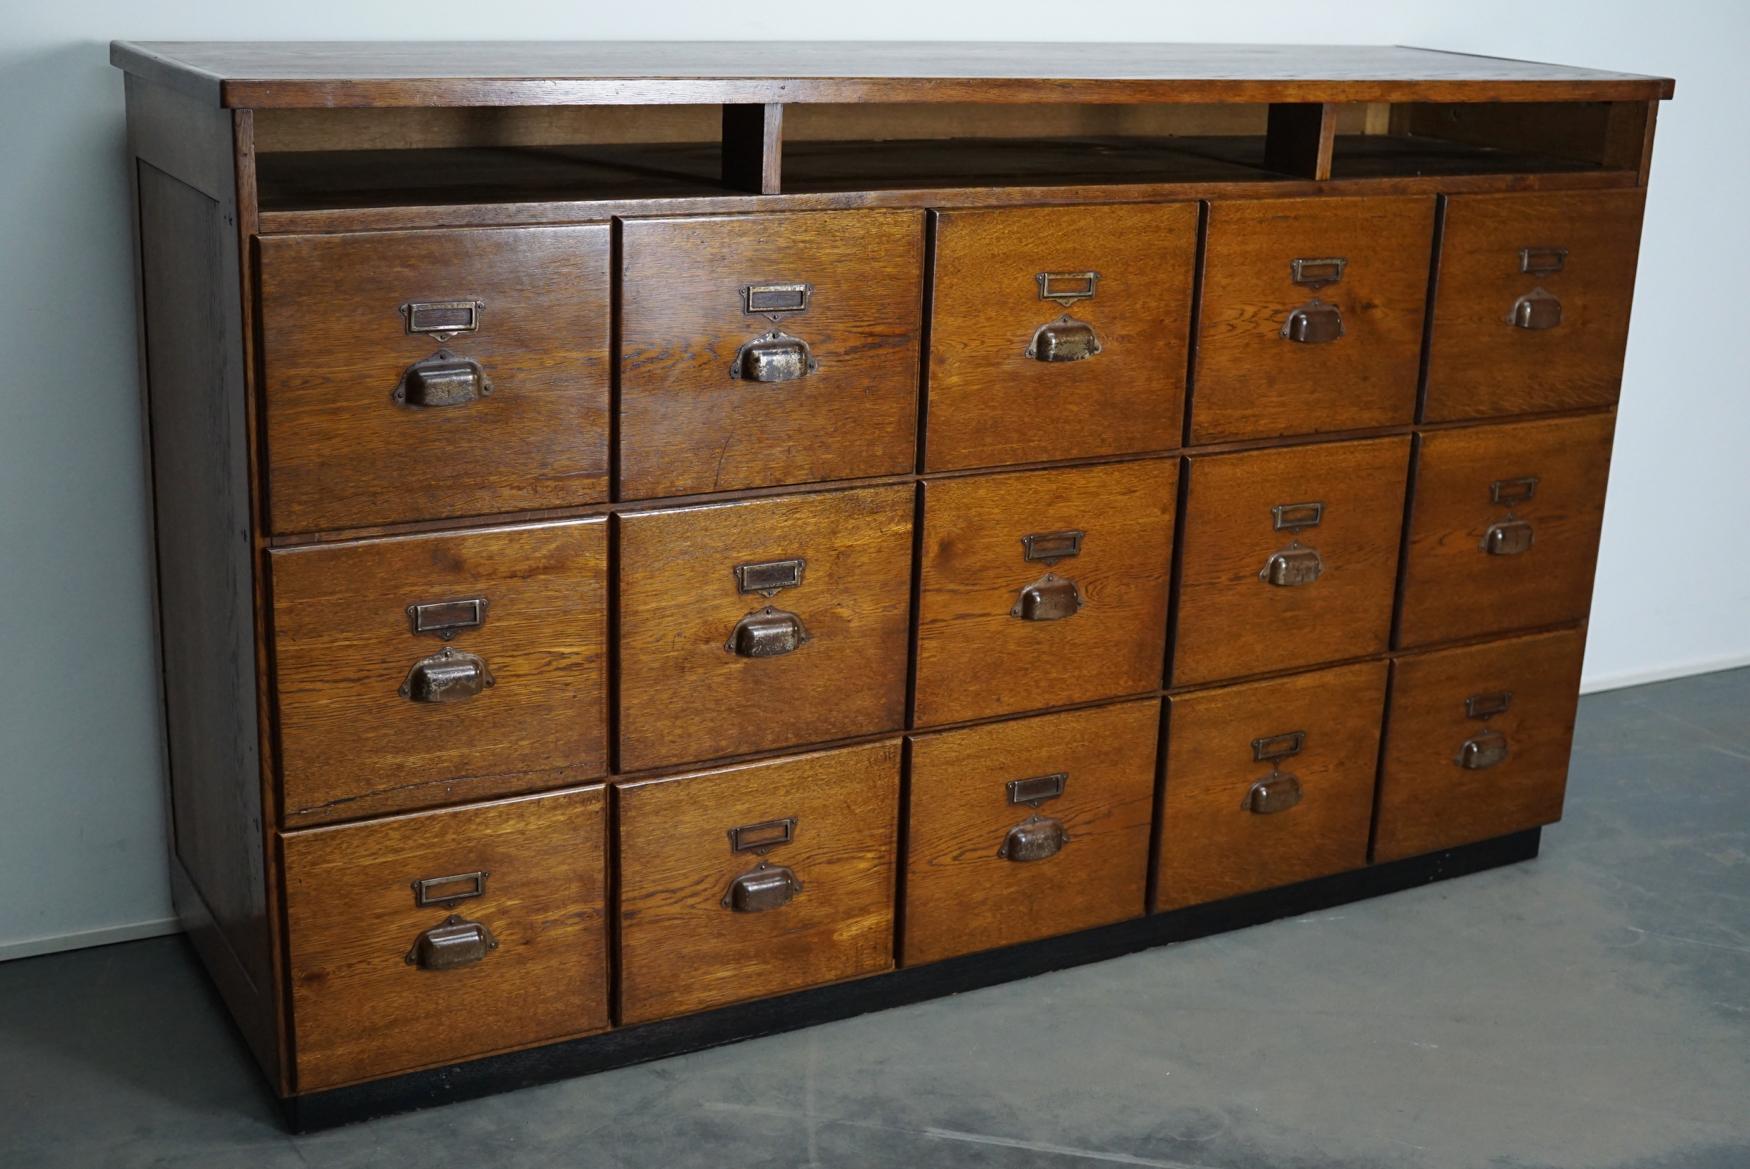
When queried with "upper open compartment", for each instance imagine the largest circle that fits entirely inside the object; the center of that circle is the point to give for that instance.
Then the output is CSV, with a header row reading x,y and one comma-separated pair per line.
x,y
340,159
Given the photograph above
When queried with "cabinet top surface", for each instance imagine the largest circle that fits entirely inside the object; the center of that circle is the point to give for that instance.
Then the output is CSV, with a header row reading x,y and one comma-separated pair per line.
x,y
497,73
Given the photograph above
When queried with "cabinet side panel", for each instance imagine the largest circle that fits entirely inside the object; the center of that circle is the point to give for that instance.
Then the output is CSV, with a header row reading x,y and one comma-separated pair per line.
x,y
193,359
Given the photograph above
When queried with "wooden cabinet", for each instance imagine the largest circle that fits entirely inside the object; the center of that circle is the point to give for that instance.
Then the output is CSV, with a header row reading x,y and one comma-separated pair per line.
x,y
651,545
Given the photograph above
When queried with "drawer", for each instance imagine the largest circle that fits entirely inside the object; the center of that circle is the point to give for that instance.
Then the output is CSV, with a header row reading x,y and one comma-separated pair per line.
x,y
756,880
1531,304
1504,524
424,374
422,669
1477,742
1021,296
1043,588
1311,315
1269,783
1024,829
1289,558
443,936
770,623
767,349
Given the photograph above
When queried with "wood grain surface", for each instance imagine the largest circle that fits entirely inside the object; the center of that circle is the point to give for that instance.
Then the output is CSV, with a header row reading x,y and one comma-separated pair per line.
x,y
1212,846
360,1010
961,896
974,658
1478,363
1426,800
682,950
1452,587
1230,622
992,404
687,426
342,452
1250,381
685,696
350,744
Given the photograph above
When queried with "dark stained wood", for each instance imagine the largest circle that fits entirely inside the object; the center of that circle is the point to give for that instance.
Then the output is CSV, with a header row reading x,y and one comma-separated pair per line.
x,y
351,744
974,657
1479,364
1399,178
1251,381
1610,134
681,949
1427,800
361,1010
990,403
961,896
684,695
198,437
1212,846
1453,587
1232,623
342,451
687,425
753,145
405,73
1299,138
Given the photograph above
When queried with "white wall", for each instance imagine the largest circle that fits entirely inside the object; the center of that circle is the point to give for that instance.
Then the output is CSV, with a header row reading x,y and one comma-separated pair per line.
x,y
81,817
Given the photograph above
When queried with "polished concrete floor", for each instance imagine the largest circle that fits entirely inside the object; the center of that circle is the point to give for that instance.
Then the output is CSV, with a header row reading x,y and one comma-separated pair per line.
x,y
1589,1008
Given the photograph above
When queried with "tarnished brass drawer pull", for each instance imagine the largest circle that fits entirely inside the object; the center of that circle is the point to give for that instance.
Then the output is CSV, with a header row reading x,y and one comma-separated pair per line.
x,y
773,357
764,887
456,942
1507,538
1313,323
1050,598
450,675
447,891
443,379
1034,839
767,633
1536,310
1484,750
1065,339
1277,792
1292,567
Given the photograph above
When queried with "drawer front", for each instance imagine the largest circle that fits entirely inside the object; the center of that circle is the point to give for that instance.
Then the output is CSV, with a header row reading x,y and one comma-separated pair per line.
x,y
444,936
1477,742
1043,588
756,880
1025,829
1022,297
751,626
1269,783
1531,305
1311,317
425,374
420,669
1504,526
1289,558
766,349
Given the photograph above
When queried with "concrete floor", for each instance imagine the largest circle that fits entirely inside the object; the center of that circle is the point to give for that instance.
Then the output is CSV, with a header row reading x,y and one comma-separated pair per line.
x,y
1589,1008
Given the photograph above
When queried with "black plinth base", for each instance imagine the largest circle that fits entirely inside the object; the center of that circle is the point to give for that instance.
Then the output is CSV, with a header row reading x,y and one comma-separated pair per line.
x,y
648,1041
